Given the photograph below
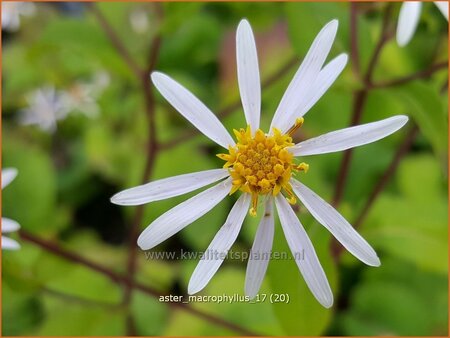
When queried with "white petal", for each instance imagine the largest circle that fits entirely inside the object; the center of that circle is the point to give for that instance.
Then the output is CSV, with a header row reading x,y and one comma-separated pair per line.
x,y
300,85
192,109
9,225
443,7
248,74
8,174
324,80
218,249
182,215
349,137
407,21
331,219
304,254
9,244
260,253
168,187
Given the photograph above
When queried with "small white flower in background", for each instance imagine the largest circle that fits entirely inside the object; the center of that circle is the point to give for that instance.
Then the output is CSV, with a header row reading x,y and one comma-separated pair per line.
x,y
45,107
8,225
82,96
409,19
139,21
261,166
11,12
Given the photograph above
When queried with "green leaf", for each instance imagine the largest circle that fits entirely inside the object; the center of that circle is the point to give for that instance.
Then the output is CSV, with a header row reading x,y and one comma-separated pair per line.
x,y
413,226
87,284
68,317
72,40
395,291
21,312
150,315
306,19
31,198
425,107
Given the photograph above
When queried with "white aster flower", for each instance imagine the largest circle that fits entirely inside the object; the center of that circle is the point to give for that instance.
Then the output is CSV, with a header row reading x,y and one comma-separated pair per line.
x,y
45,107
409,19
82,96
261,166
8,225
139,21
11,12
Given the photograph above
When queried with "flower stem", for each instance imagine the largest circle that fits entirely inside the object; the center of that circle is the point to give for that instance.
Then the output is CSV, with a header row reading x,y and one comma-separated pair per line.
x,y
360,95
115,40
422,74
126,280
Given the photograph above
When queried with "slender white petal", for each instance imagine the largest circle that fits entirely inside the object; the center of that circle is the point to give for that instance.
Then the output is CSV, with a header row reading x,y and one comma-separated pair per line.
x,y
443,7
300,85
182,215
331,219
408,21
9,244
218,249
324,80
260,253
9,225
349,137
192,109
168,187
248,74
8,174
304,254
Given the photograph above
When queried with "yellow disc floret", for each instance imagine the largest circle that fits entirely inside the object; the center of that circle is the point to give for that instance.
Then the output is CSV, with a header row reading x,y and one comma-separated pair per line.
x,y
261,164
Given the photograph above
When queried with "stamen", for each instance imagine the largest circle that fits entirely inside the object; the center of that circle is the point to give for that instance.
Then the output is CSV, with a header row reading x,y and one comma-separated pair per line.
x,y
298,124
302,167
254,205
262,164
292,199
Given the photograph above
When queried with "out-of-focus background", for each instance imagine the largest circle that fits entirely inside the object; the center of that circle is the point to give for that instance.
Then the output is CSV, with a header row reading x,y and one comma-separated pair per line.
x,y
76,98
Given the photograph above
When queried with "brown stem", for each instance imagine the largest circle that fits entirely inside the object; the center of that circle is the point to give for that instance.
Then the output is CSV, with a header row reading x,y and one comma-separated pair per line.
x,y
360,98
79,300
235,105
126,280
423,74
115,40
386,34
152,149
390,171
406,144
152,143
359,101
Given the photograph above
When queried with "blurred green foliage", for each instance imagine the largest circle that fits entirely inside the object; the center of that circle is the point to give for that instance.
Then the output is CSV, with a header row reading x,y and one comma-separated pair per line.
x,y
66,178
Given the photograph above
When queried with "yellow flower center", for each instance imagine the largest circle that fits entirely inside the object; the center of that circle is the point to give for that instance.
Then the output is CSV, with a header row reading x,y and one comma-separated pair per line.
x,y
261,164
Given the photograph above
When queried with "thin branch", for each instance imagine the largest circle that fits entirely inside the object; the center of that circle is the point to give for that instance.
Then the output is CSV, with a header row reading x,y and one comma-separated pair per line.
x,y
386,34
115,40
235,105
80,300
359,101
390,171
360,98
126,280
152,149
336,248
423,74
152,144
